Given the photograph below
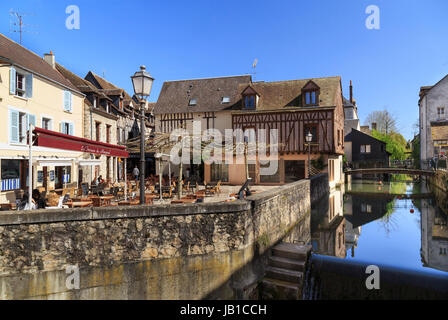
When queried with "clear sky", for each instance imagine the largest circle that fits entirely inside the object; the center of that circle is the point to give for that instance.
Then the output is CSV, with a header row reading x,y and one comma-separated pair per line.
x,y
291,39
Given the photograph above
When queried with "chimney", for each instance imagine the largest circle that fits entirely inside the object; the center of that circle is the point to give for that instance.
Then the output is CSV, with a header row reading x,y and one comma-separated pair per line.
x,y
373,125
50,59
351,92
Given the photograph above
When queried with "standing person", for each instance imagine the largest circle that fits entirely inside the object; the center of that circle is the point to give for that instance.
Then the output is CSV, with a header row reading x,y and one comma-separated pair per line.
x,y
136,173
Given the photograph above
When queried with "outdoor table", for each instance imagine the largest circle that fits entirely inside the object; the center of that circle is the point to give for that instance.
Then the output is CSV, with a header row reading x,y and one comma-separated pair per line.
x,y
8,206
102,201
183,201
79,204
129,203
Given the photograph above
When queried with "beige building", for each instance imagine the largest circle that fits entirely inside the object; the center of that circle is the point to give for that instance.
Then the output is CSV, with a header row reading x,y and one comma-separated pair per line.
x,y
32,91
100,124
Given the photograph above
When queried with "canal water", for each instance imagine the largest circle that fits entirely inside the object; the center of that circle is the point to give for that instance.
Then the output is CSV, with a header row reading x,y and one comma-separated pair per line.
x,y
398,224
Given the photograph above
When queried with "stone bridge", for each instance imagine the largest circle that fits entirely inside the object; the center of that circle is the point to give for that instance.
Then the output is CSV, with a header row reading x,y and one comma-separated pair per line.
x,y
411,172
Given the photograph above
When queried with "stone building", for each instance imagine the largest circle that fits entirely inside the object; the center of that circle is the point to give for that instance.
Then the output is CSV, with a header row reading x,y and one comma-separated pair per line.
x,y
433,122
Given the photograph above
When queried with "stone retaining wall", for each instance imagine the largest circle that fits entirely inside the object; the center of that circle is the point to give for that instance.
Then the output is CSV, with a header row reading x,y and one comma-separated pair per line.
x,y
157,252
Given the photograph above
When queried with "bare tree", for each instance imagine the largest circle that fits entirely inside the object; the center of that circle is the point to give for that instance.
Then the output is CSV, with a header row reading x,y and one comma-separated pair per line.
x,y
384,120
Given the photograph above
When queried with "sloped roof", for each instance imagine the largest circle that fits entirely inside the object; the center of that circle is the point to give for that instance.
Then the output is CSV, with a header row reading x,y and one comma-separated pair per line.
x,y
347,103
277,95
82,84
175,96
22,57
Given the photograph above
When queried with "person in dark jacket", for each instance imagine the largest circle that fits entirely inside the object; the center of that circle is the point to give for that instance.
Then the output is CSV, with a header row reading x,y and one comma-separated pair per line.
x,y
38,200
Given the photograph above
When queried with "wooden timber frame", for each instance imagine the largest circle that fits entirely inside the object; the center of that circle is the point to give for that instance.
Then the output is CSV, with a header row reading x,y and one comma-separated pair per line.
x,y
173,121
290,125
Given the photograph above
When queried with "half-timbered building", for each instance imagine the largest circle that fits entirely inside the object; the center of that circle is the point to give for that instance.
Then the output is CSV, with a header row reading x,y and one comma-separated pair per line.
x,y
295,108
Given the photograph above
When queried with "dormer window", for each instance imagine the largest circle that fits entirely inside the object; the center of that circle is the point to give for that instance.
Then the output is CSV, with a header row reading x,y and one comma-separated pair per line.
x,y
249,102
310,98
310,94
193,102
225,100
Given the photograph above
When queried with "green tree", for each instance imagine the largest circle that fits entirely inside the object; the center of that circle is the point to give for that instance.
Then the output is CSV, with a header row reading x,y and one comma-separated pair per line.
x,y
395,143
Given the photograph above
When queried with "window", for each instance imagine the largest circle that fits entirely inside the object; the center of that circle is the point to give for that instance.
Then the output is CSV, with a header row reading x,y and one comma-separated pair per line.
x,y
366,148
68,101
249,102
366,208
193,102
10,175
67,128
225,100
274,178
220,172
294,170
19,125
108,133
441,113
46,124
311,98
97,131
311,128
21,83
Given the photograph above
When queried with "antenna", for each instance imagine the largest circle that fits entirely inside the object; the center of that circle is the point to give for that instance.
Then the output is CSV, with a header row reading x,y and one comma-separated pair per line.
x,y
16,23
255,69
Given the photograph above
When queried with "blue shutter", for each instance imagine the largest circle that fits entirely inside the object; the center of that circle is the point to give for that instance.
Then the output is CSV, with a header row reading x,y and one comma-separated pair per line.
x,y
12,81
29,85
72,129
66,100
14,126
70,102
62,127
31,120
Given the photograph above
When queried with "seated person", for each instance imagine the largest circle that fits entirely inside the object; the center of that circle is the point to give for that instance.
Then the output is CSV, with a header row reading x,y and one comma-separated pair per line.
x,y
38,200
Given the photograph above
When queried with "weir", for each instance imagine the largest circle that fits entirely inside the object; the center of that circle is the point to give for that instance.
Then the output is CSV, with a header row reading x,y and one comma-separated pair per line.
x,y
330,278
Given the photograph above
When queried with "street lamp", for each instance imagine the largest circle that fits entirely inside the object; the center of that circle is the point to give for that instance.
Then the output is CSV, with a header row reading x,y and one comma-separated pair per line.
x,y
309,139
142,82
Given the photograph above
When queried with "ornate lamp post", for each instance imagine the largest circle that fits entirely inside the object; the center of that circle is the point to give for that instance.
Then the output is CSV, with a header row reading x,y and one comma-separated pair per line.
x,y
142,82
309,139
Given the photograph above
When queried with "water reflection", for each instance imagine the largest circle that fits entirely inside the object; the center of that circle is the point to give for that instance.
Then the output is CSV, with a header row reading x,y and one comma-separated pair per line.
x,y
397,224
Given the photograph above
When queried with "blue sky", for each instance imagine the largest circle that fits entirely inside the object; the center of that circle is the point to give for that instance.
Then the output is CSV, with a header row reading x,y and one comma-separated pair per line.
x,y
291,39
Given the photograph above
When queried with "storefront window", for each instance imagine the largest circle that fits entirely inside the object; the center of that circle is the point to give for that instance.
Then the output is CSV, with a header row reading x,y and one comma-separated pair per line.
x,y
294,171
220,172
10,169
275,178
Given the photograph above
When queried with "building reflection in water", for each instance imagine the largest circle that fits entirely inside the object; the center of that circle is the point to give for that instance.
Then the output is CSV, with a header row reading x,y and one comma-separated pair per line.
x,y
434,250
328,226
337,221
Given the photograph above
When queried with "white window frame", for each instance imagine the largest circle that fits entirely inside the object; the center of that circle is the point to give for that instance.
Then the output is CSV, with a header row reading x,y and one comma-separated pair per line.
x,y
21,130
44,116
69,123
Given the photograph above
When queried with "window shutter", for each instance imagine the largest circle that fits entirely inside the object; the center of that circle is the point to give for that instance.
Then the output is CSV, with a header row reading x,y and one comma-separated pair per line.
x,y
12,81
72,129
66,101
31,120
62,127
29,85
14,125
71,102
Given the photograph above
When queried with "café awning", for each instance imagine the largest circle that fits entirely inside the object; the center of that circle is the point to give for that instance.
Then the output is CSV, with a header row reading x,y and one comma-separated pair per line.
x,y
56,140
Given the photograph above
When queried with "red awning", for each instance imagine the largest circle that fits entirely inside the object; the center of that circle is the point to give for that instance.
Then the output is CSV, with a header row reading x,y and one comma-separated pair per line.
x,y
56,140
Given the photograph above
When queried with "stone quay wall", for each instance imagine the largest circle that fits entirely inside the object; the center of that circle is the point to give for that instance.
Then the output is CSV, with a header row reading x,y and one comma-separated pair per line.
x,y
141,252
320,187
